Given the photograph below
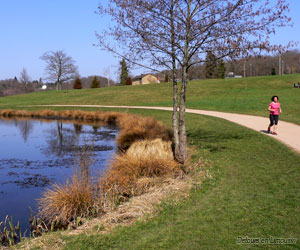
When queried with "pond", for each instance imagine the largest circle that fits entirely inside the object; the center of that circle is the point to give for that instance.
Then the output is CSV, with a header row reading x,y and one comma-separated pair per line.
x,y
35,154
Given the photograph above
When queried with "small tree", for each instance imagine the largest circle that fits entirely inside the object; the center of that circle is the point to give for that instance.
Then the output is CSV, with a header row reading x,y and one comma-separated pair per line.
x,y
210,65
129,81
273,72
124,72
24,77
221,69
232,67
95,83
166,78
60,67
77,83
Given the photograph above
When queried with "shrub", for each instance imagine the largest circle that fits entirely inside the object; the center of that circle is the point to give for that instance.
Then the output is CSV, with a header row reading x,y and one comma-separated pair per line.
x,y
95,83
166,78
128,81
77,83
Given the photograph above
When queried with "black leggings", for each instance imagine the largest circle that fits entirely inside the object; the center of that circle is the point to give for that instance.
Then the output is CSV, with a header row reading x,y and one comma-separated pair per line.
x,y
273,120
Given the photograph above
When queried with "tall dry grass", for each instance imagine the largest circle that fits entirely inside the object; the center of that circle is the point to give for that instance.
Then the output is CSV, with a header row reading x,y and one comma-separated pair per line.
x,y
137,128
63,204
131,173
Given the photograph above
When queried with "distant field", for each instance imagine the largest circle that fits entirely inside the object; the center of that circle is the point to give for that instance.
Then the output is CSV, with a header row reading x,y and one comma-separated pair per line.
x,y
250,96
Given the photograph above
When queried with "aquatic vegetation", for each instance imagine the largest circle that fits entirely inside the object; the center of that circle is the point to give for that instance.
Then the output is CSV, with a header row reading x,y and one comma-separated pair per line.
x,y
9,234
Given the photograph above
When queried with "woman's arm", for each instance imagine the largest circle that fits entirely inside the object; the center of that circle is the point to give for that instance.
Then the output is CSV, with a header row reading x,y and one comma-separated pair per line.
x,y
270,108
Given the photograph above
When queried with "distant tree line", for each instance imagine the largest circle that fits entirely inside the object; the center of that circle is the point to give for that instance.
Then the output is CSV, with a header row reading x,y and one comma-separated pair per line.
x,y
252,66
14,87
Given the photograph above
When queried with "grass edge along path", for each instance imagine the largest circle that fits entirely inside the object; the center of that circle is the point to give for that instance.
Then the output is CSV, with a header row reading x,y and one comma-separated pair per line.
x,y
253,192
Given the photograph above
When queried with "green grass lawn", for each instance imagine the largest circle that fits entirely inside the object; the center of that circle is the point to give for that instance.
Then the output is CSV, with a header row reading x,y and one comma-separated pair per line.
x,y
256,180
250,96
254,192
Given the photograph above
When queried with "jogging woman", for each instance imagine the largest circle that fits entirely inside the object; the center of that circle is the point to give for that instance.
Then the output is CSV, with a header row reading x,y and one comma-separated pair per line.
x,y
274,109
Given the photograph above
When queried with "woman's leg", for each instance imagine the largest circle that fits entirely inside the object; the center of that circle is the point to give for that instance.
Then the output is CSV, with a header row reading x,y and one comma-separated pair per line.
x,y
276,123
271,122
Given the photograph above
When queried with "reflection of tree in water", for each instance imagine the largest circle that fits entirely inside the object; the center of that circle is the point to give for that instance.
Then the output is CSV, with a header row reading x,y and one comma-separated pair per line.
x,y
82,162
62,140
77,128
95,129
25,126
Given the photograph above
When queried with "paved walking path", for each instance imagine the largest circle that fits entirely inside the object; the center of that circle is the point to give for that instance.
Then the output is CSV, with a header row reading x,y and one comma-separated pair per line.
x,y
289,133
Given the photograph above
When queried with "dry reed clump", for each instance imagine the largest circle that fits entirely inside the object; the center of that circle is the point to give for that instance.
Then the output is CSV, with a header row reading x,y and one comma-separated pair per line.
x,y
149,148
7,113
45,113
63,204
138,206
112,118
137,128
132,173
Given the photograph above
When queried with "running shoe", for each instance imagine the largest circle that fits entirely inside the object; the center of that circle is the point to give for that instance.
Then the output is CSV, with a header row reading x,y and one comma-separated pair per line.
x,y
274,133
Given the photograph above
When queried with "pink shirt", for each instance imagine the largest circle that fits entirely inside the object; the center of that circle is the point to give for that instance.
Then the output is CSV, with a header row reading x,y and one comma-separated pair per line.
x,y
275,106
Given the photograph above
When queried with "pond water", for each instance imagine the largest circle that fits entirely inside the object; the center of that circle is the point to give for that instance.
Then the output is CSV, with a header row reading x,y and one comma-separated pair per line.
x,y
35,154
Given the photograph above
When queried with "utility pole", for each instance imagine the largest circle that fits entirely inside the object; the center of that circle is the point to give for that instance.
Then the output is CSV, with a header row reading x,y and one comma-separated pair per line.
x,y
279,70
244,68
282,68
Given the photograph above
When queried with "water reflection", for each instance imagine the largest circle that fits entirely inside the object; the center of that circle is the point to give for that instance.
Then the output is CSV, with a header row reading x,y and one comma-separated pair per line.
x,y
61,140
35,154
25,127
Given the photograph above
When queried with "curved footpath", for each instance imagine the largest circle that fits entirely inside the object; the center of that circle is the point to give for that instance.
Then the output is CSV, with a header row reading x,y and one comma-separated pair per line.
x,y
288,133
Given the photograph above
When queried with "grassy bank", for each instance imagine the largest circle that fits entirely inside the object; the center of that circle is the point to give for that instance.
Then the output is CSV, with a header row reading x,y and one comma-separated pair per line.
x,y
250,95
253,192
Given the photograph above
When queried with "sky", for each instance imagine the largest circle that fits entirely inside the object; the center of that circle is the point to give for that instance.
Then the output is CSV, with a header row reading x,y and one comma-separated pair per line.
x,y
29,28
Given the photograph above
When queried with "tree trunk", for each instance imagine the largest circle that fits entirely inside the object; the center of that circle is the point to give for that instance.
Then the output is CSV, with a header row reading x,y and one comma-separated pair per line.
x,y
175,119
175,88
182,152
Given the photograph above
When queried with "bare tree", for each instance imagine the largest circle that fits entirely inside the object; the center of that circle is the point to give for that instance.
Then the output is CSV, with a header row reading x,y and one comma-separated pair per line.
x,y
169,34
60,67
107,75
24,77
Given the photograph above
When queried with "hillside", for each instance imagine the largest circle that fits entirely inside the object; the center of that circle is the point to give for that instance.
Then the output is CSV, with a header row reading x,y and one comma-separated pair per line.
x,y
250,95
